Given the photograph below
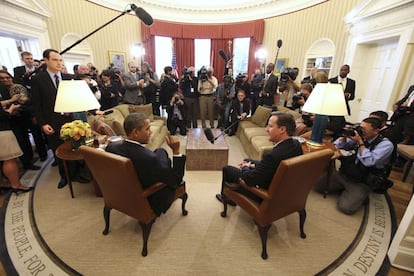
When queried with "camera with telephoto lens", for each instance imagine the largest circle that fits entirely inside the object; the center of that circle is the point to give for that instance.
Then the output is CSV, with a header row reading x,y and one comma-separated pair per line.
x,y
295,100
289,72
349,130
202,73
186,74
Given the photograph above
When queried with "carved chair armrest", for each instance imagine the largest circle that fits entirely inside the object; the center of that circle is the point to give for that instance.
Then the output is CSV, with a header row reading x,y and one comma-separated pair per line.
x,y
260,192
153,188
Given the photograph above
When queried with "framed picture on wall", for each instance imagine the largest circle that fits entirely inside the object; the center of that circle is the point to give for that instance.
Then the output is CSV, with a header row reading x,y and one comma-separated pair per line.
x,y
281,64
117,59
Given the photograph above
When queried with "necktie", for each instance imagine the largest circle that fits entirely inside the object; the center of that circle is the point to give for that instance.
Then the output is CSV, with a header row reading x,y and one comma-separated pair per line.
x,y
57,80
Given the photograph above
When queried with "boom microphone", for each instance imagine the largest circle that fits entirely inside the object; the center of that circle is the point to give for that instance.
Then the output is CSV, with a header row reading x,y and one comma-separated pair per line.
x,y
209,135
223,55
142,14
279,43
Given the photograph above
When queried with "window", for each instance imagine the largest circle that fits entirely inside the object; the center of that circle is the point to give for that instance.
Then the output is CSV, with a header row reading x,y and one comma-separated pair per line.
x,y
240,55
202,53
163,54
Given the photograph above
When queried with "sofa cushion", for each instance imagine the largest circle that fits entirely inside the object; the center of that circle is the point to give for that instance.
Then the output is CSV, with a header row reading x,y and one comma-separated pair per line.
x,y
145,108
261,145
255,131
158,122
295,114
103,128
261,115
123,108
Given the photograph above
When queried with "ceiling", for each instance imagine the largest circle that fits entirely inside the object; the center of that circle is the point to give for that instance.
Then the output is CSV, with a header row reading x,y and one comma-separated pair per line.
x,y
212,11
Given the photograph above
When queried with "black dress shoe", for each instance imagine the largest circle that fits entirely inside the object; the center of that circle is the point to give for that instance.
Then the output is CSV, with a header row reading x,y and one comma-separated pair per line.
x,y
19,190
229,201
81,179
62,183
32,167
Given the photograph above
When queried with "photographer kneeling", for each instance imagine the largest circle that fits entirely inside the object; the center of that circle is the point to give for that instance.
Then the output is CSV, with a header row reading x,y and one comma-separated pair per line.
x,y
176,115
365,164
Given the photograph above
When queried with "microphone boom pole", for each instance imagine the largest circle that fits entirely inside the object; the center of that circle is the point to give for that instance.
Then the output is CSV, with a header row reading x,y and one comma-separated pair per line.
x,y
94,31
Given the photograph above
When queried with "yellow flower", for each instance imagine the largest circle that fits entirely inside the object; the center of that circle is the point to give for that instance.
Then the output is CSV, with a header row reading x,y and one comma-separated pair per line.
x,y
76,131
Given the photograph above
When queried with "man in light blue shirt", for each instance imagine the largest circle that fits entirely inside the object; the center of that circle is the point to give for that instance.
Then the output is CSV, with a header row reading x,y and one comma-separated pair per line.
x,y
364,155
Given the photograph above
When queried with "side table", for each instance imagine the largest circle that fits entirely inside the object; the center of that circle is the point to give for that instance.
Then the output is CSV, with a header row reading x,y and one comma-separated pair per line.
x,y
66,153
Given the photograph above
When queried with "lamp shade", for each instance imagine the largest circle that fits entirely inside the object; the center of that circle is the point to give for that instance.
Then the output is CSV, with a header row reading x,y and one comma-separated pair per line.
x,y
75,96
326,99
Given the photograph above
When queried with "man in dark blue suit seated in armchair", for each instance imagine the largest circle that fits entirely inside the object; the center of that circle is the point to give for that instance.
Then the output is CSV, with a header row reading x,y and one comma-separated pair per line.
x,y
151,166
280,128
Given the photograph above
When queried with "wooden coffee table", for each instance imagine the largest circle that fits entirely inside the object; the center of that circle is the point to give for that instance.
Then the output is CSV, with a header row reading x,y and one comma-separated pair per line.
x,y
202,154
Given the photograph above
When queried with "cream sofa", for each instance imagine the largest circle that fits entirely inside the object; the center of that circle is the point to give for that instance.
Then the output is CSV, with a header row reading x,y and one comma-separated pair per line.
x,y
113,124
252,131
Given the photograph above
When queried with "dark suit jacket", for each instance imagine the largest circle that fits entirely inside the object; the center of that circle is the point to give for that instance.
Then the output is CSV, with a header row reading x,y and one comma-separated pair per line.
x,y
151,169
265,169
350,88
44,97
270,87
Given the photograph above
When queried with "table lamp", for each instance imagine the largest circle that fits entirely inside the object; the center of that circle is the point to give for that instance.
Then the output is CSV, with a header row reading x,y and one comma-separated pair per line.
x,y
325,99
75,96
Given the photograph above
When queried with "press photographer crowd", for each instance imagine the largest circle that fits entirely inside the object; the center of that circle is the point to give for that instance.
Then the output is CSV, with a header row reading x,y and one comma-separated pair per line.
x,y
189,98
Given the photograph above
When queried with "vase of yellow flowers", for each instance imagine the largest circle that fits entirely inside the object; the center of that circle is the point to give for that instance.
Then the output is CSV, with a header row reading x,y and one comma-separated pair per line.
x,y
76,132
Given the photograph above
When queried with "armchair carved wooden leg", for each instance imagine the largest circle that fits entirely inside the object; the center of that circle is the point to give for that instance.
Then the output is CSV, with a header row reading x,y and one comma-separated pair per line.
x,y
146,230
263,230
184,198
106,214
302,218
224,200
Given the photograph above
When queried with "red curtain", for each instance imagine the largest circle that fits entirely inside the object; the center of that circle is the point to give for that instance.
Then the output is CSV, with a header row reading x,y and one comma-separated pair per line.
x,y
149,47
218,33
184,50
216,61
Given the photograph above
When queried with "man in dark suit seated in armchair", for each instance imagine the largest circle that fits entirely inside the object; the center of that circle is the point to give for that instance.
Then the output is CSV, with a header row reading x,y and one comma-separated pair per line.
x,y
151,167
280,128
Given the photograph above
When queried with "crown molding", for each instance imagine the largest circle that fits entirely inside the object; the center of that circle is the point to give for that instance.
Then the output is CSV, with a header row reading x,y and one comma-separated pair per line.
x,y
212,11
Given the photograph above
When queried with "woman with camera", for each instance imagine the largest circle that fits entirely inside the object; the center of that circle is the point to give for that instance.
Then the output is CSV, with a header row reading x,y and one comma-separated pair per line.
x,y
10,148
110,90
22,121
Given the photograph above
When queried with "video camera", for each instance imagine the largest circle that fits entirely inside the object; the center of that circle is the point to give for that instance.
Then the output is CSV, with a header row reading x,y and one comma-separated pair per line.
x,y
202,73
289,72
349,130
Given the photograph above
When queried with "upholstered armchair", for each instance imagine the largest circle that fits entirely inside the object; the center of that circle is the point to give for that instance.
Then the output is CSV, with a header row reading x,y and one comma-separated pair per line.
x,y
122,190
287,192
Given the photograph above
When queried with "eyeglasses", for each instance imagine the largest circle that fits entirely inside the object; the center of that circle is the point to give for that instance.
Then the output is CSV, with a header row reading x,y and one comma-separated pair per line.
x,y
5,78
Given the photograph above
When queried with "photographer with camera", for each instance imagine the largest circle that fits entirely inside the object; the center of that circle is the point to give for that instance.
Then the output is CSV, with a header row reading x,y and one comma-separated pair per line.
x,y
257,86
288,88
22,120
189,87
224,95
242,83
168,86
176,115
268,96
366,159
207,84
110,90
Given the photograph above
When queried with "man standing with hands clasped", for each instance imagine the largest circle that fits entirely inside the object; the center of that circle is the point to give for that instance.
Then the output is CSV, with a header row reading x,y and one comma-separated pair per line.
x,y
347,84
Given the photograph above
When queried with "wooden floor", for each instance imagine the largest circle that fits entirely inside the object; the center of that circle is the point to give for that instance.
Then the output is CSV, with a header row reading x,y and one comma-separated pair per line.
x,y
400,195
